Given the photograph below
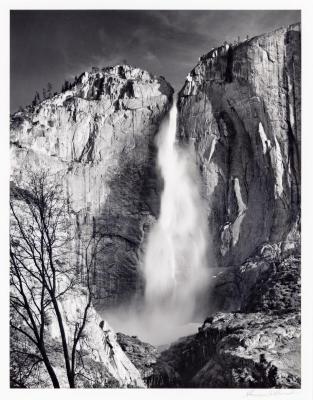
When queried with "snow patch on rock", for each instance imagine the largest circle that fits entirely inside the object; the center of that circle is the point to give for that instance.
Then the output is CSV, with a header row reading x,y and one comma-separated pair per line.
x,y
266,143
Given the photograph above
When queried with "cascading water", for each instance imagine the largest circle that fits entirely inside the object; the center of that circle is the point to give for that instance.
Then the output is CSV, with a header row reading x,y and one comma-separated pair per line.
x,y
175,265
175,262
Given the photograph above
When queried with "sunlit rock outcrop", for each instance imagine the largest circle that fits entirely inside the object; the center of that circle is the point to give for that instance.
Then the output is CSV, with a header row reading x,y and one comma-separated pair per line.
x,y
104,361
100,361
241,107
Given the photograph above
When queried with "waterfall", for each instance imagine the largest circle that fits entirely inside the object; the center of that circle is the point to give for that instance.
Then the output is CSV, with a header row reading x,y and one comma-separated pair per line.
x,y
175,261
175,264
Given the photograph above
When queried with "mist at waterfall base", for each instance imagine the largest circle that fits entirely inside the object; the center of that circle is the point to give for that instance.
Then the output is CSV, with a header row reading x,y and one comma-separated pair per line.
x,y
175,263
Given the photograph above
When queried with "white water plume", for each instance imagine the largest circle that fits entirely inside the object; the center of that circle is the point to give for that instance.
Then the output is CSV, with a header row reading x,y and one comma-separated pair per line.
x,y
175,267
175,263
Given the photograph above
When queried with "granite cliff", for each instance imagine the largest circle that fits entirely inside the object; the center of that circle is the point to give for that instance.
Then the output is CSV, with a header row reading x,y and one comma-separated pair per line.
x,y
241,107
99,137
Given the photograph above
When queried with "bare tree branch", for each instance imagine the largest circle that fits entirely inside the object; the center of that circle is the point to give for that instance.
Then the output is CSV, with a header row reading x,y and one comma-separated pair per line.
x,y
43,271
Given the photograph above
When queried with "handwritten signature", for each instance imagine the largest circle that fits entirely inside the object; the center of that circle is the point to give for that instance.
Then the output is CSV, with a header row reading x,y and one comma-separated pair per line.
x,y
267,393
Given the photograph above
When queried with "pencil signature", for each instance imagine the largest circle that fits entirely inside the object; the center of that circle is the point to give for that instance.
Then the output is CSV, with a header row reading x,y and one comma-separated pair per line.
x,y
267,393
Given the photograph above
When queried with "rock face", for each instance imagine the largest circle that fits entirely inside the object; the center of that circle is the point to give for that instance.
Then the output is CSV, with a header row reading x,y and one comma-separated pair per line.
x,y
99,136
104,358
236,350
268,281
241,107
142,355
252,350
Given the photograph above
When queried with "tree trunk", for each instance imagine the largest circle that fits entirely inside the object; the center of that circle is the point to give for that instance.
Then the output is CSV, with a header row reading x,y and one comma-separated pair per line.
x,y
70,374
71,380
50,369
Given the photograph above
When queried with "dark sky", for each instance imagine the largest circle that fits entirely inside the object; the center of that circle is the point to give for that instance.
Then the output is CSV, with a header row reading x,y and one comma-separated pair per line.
x,y
51,46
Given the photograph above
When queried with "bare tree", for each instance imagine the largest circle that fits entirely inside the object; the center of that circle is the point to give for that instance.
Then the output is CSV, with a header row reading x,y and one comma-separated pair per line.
x,y
42,271
36,99
66,86
26,363
49,90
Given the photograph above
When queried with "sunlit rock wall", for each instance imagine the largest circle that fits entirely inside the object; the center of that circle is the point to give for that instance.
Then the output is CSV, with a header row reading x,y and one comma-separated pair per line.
x,y
99,137
241,105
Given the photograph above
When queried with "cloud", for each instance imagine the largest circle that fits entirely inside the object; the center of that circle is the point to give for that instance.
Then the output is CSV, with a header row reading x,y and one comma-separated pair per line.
x,y
50,46
150,56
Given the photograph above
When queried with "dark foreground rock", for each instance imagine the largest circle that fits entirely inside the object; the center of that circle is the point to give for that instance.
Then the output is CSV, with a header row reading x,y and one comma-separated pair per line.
x,y
154,371
235,350
142,355
256,344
